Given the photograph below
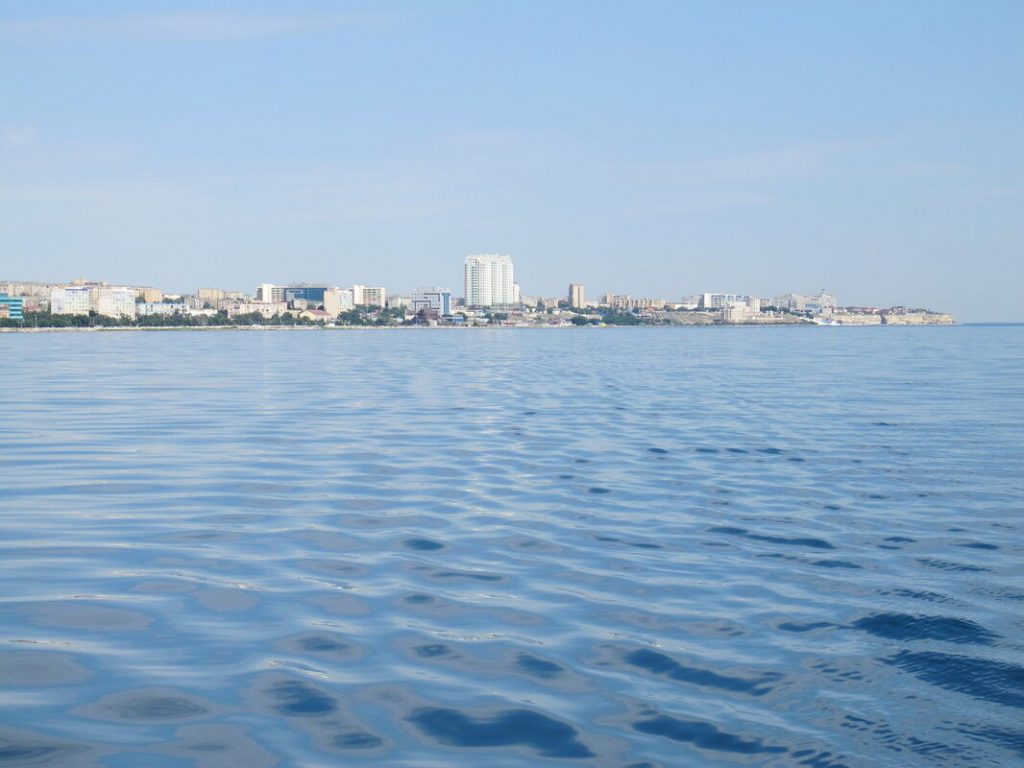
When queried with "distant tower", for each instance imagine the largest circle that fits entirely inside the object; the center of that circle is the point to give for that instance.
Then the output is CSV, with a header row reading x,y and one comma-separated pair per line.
x,y
576,295
488,281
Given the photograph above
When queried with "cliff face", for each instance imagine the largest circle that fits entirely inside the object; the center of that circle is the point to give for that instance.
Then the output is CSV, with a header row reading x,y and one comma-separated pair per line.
x,y
844,319
919,318
910,318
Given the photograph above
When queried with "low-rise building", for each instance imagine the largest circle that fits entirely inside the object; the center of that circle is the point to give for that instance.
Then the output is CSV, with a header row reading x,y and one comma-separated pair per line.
x,y
265,309
147,309
741,311
318,315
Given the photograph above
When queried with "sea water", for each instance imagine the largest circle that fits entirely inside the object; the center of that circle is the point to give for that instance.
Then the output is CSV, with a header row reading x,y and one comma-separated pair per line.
x,y
609,547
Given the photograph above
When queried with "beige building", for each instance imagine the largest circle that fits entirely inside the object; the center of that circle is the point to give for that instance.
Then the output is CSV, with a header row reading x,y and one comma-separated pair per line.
x,y
576,296
265,309
368,296
209,294
741,311
338,300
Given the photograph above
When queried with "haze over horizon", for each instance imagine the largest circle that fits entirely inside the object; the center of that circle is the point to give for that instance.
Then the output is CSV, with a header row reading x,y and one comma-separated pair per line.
x,y
659,150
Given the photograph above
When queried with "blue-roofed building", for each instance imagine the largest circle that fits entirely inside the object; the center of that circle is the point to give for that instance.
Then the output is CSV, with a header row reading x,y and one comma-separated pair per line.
x,y
12,307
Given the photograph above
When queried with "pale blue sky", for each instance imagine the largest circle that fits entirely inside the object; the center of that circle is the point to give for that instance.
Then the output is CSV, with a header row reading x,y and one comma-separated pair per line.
x,y
660,149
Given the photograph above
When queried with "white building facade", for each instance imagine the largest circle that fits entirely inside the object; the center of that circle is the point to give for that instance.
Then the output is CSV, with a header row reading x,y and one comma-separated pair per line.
x,y
488,281
437,299
270,293
822,304
70,300
116,302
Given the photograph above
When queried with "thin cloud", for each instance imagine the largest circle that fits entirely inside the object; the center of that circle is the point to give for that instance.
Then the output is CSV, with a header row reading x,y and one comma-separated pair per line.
x,y
205,26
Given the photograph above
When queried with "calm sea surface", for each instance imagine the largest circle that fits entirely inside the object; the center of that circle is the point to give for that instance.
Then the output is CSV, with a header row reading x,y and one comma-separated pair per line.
x,y
634,547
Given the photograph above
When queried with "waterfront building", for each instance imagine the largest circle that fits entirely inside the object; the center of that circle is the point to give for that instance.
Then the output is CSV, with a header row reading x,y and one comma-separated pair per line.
x,y
70,300
12,307
624,301
116,302
161,308
265,309
337,300
313,295
318,316
439,299
368,296
488,281
822,304
208,294
268,293
741,311
719,300
576,297
399,302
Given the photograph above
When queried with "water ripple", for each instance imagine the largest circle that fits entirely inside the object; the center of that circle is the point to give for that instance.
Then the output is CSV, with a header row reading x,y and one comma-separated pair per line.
x,y
648,548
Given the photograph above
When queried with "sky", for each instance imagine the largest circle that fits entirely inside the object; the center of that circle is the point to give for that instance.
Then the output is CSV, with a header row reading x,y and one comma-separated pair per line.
x,y
660,149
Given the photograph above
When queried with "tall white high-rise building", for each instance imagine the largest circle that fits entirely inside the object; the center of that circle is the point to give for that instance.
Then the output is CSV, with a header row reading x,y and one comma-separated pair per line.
x,y
489,281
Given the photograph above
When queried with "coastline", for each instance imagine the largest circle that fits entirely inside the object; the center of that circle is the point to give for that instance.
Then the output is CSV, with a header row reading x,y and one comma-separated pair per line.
x,y
258,328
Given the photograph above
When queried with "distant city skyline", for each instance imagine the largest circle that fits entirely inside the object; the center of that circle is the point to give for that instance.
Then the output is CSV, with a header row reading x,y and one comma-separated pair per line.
x,y
661,150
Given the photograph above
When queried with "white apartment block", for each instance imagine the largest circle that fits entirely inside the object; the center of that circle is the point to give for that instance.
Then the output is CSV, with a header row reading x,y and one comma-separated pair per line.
x,y
723,300
488,281
71,300
149,308
822,304
116,302
269,293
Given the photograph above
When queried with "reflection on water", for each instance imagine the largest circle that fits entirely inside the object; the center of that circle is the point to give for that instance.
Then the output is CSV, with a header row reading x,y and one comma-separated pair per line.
x,y
627,548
